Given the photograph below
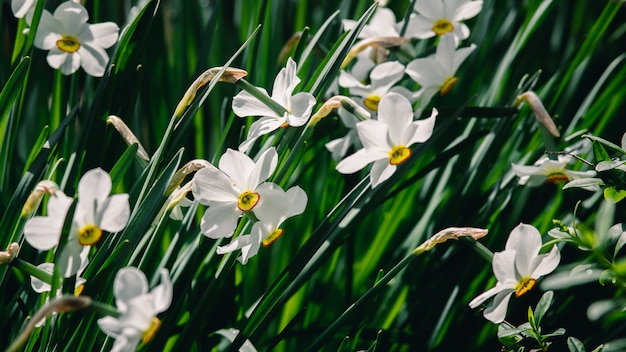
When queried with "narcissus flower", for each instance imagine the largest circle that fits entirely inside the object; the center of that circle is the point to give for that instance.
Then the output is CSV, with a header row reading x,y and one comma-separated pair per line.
x,y
386,141
267,230
437,72
95,213
298,107
382,79
552,171
138,308
517,269
73,42
237,187
440,17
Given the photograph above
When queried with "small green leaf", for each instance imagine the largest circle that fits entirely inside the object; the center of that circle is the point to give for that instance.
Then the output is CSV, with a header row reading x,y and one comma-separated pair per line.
x,y
574,345
557,332
613,195
599,142
531,319
544,304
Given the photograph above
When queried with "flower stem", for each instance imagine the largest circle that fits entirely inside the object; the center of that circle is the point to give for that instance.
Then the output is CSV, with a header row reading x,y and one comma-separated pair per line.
x,y
32,270
257,93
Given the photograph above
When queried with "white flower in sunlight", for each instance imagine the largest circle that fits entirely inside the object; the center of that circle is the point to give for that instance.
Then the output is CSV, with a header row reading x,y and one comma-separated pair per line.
x,y
382,78
517,269
237,187
73,42
138,308
436,73
340,146
382,24
95,212
552,171
439,17
298,106
386,141
267,230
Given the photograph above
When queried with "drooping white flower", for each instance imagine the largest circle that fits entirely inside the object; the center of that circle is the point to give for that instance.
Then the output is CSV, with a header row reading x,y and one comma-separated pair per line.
x,y
73,42
382,80
267,230
237,187
298,106
437,72
95,212
387,141
439,17
517,269
138,308
552,171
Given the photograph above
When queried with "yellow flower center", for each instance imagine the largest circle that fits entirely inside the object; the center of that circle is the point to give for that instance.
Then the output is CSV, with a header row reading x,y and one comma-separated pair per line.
x,y
155,324
557,177
399,154
274,235
442,26
248,200
524,285
68,43
89,234
371,102
447,85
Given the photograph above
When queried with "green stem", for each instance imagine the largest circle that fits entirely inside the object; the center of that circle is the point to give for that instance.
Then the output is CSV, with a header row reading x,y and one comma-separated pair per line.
x,y
264,98
32,270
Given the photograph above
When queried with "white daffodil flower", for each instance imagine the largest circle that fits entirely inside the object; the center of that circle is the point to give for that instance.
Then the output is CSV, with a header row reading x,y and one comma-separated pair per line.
x,y
552,171
517,269
138,308
439,17
267,230
298,106
382,79
237,187
73,42
387,141
95,212
382,24
437,72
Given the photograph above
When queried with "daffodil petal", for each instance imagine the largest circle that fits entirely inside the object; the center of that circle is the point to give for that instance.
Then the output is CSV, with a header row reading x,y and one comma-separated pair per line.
x,y
220,221
381,171
496,312
245,104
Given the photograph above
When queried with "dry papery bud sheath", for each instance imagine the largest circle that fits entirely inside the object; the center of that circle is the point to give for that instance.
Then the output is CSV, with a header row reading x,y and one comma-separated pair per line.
x,y
336,102
128,136
7,256
190,167
541,114
450,233
230,75
43,187
377,43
